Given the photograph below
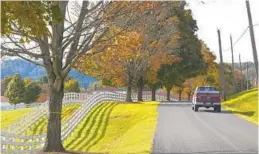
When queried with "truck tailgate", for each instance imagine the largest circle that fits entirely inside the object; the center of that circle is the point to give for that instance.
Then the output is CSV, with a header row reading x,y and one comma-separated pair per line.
x,y
208,96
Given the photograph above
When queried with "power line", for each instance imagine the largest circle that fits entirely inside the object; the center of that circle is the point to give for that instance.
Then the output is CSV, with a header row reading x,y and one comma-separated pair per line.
x,y
239,37
237,40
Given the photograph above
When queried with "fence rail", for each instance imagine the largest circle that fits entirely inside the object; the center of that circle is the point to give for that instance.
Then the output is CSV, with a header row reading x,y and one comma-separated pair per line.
x,y
14,142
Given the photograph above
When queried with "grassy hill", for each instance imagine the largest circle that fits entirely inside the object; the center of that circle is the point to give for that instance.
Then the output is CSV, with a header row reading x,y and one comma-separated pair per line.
x,y
116,128
110,127
10,116
244,104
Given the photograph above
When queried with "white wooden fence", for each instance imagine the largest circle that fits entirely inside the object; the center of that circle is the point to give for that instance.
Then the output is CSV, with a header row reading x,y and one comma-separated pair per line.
x,y
30,119
14,143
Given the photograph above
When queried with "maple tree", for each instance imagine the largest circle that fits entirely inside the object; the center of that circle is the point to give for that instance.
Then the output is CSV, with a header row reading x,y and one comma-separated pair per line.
x,y
187,91
30,17
178,89
72,86
153,51
32,92
27,80
189,50
160,40
211,77
15,90
4,84
119,63
158,31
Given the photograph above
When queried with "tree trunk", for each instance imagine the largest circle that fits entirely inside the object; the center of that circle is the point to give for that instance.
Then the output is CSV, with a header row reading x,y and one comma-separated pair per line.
x,y
189,96
168,93
153,93
180,95
140,89
53,141
129,92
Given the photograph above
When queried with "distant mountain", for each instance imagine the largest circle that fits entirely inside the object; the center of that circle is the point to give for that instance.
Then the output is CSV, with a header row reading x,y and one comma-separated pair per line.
x,y
27,69
251,69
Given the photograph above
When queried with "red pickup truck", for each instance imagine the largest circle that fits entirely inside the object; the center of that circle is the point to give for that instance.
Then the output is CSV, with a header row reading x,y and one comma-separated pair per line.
x,y
206,96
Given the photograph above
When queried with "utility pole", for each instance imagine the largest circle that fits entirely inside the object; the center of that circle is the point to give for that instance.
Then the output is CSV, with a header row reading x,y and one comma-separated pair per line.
x,y
252,39
222,74
241,73
232,53
233,67
247,78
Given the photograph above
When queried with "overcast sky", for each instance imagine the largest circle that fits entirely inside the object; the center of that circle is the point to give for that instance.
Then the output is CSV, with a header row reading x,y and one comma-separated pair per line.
x,y
230,16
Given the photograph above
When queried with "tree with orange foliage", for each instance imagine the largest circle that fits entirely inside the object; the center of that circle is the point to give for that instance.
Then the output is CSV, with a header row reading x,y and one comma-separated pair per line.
x,y
189,50
211,77
158,29
142,64
120,61
55,35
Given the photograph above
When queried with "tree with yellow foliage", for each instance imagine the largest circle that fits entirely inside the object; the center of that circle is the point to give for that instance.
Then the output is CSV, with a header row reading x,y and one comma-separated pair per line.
x,y
120,61
55,35
72,86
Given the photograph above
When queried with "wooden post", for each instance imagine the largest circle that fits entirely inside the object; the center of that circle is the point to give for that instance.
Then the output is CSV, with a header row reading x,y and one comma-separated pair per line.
x,y
247,77
252,39
222,74
240,64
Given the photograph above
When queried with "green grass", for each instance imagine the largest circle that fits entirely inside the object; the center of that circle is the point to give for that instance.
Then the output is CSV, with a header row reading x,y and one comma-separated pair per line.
x,y
41,126
241,93
244,104
116,128
10,116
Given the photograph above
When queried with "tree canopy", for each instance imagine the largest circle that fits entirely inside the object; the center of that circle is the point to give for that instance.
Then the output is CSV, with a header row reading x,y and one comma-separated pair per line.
x,y
32,92
15,91
4,84
72,86
54,35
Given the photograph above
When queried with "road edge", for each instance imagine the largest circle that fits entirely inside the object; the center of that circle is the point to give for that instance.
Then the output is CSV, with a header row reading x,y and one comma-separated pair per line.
x,y
241,116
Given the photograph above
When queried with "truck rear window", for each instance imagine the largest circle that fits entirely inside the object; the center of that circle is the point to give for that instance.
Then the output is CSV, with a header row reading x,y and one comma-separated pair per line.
x,y
207,89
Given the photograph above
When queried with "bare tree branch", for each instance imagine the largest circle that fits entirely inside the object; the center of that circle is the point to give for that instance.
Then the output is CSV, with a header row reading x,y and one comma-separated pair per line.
x,y
23,57
22,51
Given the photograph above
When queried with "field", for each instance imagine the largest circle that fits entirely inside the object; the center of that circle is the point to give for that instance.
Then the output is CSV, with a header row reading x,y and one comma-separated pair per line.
x,y
116,128
244,104
10,116
41,126
110,127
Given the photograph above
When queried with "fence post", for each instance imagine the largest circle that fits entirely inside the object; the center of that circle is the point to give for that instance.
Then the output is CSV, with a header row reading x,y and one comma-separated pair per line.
x,y
4,146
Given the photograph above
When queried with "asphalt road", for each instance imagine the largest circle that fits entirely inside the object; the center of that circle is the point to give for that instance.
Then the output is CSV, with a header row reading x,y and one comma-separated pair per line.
x,y
181,130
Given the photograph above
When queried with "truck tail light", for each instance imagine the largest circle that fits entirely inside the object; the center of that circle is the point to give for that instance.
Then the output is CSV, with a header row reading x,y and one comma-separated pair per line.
x,y
219,97
198,97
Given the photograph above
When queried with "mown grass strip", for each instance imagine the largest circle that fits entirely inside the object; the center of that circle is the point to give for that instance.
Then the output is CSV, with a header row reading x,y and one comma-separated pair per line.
x,y
41,126
118,129
244,105
94,136
10,116
241,93
88,124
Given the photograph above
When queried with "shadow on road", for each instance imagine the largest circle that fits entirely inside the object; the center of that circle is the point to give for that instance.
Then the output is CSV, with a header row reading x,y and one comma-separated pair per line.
x,y
246,113
216,152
